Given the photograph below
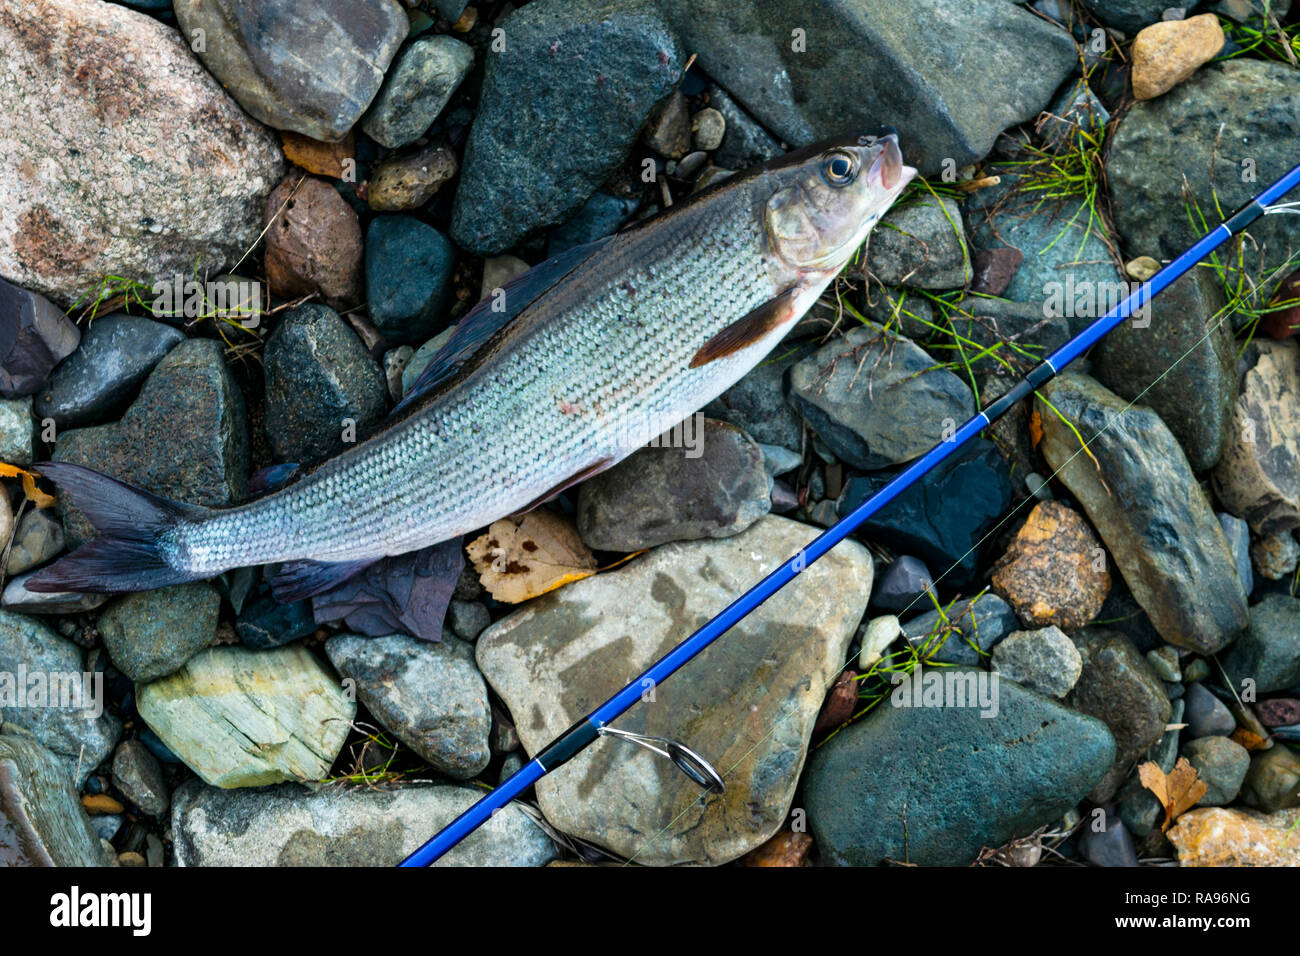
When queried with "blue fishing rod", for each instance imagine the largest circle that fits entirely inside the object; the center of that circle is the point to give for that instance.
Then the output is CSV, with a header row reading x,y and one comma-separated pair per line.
x,y
596,724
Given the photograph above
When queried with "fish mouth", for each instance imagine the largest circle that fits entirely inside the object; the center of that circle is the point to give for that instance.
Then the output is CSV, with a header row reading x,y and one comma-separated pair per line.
x,y
888,169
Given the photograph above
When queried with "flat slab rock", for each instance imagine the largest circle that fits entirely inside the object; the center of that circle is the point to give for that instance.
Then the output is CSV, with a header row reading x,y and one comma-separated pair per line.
x,y
177,173
241,718
42,822
292,826
748,703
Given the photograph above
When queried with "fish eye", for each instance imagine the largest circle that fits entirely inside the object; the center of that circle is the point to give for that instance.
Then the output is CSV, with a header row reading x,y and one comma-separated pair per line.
x,y
839,167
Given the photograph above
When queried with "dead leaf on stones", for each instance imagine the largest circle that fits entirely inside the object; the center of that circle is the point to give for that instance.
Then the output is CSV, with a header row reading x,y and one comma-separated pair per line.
x,y
37,497
520,558
1177,790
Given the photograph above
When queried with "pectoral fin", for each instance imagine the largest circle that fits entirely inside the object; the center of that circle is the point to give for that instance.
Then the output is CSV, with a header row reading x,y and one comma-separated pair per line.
x,y
749,329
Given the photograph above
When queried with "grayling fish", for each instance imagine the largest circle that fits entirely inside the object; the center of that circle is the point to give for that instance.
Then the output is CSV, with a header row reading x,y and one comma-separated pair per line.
x,y
595,352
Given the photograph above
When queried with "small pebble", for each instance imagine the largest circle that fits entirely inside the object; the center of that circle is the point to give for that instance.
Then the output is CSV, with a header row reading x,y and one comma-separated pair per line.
x,y
876,637
1141,268
101,803
1207,716
1164,661
708,127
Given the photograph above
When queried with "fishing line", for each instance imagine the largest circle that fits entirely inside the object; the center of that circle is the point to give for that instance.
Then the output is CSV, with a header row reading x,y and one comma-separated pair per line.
x,y
588,729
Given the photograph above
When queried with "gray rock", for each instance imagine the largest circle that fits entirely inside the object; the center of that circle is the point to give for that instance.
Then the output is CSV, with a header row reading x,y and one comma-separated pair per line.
x,y
395,362
1021,332
1076,118
1130,15
594,71
1044,660
291,826
708,129
1222,764
922,245
99,380
1112,845
1268,651
668,130
429,694
37,539
1273,781
552,658
1066,267
1012,62
744,142
601,215
1243,11
467,619
45,689
1238,534
185,437
757,403
16,431
714,489
138,775
778,460
900,310
1145,504
1118,686
178,172
408,276
1164,662
902,584
874,412
963,633
16,597
41,819
151,634
1181,361
1258,478
933,785
241,718
319,377
1276,555
1147,168
312,69
420,82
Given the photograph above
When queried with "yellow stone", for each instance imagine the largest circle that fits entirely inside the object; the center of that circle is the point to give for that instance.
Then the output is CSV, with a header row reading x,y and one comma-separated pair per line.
x,y
1220,837
1166,53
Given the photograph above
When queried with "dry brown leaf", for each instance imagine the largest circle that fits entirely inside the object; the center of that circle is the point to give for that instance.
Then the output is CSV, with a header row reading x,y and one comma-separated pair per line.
x,y
522,557
1249,739
1035,428
37,497
1177,790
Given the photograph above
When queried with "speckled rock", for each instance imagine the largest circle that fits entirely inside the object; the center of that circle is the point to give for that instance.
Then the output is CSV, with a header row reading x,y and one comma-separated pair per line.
x,y
407,182
714,488
595,71
319,377
960,778
418,85
137,774
362,826
1118,686
37,539
564,652
1222,764
41,819
1054,571
1223,837
1258,478
151,634
42,689
429,694
177,174
1043,660
1166,53
309,69
16,431
1275,556
185,437
1154,519
241,718
99,380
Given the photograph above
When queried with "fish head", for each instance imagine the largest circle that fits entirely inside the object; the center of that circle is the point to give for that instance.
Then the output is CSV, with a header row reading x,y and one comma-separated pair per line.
x,y
830,195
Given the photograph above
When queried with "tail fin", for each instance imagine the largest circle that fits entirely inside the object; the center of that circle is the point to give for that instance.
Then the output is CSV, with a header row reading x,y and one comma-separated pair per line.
x,y
126,554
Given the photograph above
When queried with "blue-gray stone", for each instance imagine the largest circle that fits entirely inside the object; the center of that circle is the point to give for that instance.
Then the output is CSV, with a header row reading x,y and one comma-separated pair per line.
x,y
151,634
601,216
1110,846
266,623
1237,531
964,633
901,585
1222,764
99,379
408,276
1268,651
935,785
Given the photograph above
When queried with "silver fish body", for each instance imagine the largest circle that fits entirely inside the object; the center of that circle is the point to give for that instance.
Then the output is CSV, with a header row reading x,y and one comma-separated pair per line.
x,y
591,369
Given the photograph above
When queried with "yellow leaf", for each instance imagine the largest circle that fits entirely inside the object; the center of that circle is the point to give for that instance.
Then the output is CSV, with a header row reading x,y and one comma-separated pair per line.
x,y
1177,790
37,497
521,557
1035,428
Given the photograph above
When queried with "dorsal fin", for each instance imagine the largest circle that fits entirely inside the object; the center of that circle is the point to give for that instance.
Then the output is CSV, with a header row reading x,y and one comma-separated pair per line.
x,y
482,322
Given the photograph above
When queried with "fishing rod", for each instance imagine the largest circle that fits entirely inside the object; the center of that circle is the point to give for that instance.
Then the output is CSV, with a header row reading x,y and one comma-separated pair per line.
x,y
596,724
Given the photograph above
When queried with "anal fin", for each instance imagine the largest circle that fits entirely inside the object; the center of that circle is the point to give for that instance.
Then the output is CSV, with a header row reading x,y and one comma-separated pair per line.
x,y
748,329
566,484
